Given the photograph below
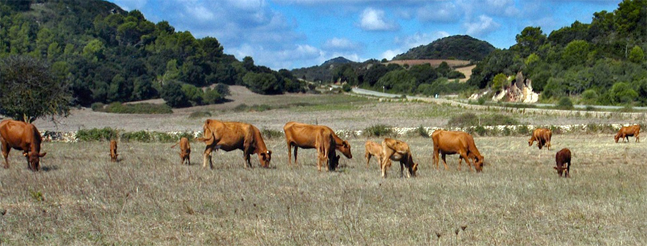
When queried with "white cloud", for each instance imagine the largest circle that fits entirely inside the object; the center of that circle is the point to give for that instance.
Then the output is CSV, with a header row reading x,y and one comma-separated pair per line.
x,y
130,4
375,20
340,44
389,54
418,39
482,26
446,12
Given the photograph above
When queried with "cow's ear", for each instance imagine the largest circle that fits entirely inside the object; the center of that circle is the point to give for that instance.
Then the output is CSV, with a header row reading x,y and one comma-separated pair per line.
x,y
24,154
42,154
556,168
269,152
346,144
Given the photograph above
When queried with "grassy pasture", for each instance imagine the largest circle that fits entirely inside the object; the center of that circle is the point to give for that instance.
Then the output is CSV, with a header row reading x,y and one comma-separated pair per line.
x,y
81,198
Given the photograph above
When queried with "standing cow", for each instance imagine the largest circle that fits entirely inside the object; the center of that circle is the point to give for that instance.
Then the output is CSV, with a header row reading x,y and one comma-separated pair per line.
x,y
397,150
21,136
229,136
627,131
372,149
185,151
542,136
562,158
456,142
306,136
113,150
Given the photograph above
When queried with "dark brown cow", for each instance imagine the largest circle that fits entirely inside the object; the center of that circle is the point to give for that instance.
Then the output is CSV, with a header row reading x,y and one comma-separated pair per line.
x,y
627,131
21,136
303,136
113,150
372,149
542,136
229,136
397,150
561,158
456,142
185,151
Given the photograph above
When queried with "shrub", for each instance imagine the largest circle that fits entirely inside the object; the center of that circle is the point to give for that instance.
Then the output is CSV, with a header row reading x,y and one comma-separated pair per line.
x,y
565,103
269,134
139,136
378,131
95,134
199,114
139,108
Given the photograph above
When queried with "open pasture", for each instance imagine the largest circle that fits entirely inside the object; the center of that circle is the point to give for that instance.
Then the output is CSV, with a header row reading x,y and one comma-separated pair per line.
x,y
81,198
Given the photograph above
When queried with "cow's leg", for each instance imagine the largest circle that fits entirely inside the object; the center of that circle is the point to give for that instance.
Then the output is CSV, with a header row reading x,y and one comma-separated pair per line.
x,y
637,138
467,161
445,163
436,160
295,155
290,154
368,158
207,157
5,154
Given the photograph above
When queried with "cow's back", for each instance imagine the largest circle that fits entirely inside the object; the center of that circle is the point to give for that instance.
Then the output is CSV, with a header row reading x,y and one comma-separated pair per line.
x,y
450,142
303,135
18,134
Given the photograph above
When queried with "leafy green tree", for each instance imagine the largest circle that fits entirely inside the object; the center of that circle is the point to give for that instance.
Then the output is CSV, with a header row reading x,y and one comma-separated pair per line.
x,y
399,81
263,83
499,82
575,53
636,55
174,96
529,41
193,94
29,89
622,93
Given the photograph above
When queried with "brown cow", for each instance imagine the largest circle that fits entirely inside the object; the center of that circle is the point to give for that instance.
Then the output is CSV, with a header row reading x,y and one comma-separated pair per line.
x,y
302,136
229,136
21,136
562,157
627,131
542,136
113,150
397,150
185,151
372,149
456,142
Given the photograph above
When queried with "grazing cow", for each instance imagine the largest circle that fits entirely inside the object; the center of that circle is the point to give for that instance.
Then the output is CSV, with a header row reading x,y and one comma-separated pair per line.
x,y
229,136
542,136
373,149
456,142
397,150
561,158
113,150
303,136
21,136
627,131
185,151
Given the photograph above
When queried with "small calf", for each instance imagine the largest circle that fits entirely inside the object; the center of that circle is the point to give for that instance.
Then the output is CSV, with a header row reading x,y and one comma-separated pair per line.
x,y
561,158
372,149
113,150
185,150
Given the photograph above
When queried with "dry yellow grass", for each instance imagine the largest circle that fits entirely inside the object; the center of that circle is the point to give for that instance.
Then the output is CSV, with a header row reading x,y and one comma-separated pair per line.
x,y
81,198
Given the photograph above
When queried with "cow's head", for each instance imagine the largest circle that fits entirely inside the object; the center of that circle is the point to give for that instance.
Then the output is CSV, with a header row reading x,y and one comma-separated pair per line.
x,y
345,149
414,169
617,137
478,163
33,159
530,141
560,170
264,158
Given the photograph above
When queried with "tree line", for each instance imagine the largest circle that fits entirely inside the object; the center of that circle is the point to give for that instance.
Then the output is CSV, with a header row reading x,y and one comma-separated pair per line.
x,y
598,63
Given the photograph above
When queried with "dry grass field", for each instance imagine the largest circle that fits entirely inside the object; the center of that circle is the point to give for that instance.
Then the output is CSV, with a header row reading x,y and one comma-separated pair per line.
x,y
81,198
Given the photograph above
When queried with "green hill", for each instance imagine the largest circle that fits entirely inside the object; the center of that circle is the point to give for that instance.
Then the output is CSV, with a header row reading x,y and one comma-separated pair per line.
x,y
461,47
107,54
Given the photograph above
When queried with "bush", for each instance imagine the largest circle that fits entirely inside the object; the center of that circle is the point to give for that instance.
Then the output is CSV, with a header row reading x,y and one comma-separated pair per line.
x,y
463,120
565,103
95,134
269,134
199,114
346,87
139,108
419,132
378,131
139,136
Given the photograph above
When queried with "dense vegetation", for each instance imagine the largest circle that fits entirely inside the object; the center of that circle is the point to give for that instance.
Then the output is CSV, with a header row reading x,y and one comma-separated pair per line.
x,y
106,54
601,63
461,47
417,79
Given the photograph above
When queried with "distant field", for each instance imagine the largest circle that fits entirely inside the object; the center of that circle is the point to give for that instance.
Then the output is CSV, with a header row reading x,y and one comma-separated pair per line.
x,y
432,62
81,198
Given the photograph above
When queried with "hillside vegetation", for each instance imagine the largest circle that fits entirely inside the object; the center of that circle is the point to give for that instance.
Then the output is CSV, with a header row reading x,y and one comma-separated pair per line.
x,y
600,63
106,54
460,47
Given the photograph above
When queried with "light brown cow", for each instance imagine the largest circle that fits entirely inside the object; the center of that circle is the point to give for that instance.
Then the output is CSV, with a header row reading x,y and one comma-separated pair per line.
x,y
627,131
185,151
456,142
372,149
303,136
397,150
561,159
21,136
113,150
229,136
542,136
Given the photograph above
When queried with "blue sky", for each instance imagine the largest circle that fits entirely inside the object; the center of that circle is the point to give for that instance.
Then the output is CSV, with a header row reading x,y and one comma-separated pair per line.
x,y
301,33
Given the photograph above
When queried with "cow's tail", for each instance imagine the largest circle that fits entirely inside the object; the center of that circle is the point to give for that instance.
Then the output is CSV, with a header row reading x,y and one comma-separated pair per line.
x,y
207,136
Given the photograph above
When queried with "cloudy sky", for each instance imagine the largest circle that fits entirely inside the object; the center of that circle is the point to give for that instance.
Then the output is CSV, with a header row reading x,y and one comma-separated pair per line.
x,y
301,33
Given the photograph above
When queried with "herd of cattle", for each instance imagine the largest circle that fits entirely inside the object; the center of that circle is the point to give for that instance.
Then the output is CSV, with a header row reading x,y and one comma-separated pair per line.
x,y
230,136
